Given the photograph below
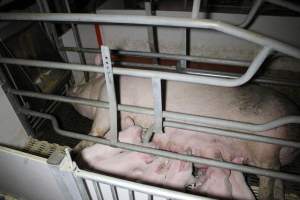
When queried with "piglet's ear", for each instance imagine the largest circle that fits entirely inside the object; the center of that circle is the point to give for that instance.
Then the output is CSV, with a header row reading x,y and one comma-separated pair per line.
x,y
238,160
98,59
128,122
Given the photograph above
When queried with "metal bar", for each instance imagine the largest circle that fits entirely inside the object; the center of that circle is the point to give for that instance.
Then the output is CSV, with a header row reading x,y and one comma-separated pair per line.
x,y
286,4
131,195
165,56
157,102
50,28
196,9
148,73
111,92
243,136
162,153
77,41
199,120
144,188
98,190
152,37
252,14
42,8
150,197
148,134
82,188
114,192
156,21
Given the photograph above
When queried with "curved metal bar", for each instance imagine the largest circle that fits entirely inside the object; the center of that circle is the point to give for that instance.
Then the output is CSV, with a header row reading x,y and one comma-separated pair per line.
x,y
252,14
255,65
148,150
199,120
156,21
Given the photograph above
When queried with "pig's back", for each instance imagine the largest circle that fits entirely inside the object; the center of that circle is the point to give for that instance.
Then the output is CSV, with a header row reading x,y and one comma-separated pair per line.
x,y
251,103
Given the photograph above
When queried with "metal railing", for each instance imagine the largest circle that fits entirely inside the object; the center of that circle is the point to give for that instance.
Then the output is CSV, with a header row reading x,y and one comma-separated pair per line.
x,y
257,4
197,123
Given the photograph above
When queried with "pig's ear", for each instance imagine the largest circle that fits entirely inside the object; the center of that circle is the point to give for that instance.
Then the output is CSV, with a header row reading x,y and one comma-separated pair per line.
x,y
128,122
238,160
98,59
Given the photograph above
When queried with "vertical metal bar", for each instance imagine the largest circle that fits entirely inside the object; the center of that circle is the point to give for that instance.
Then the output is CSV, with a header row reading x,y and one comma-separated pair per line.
x,y
114,192
150,197
40,4
50,28
157,100
152,36
109,79
77,41
148,134
82,188
131,195
196,9
98,190
195,13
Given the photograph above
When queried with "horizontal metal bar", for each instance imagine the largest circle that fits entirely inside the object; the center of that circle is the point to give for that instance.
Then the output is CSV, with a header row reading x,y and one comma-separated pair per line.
x,y
156,21
139,187
243,136
148,73
199,120
209,73
162,153
164,56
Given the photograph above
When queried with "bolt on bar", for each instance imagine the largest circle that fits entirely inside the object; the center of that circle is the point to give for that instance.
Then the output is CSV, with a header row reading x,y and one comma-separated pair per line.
x,y
151,74
156,21
148,150
109,80
211,125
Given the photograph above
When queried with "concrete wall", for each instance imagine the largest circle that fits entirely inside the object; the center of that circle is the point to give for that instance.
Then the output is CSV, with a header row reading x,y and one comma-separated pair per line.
x,y
12,132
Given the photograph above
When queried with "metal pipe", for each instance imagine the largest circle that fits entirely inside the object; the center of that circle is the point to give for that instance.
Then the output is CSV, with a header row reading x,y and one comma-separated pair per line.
x,y
242,136
252,14
156,21
199,120
196,9
77,41
148,73
165,56
286,4
187,71
148,150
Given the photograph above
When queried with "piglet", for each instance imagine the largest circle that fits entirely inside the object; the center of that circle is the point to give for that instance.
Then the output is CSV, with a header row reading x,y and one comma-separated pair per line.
x,y
223,183
125,164
96,152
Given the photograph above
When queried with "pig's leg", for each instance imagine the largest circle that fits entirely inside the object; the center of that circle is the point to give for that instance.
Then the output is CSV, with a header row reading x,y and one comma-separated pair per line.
x,y
278,190
266,184
100,126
